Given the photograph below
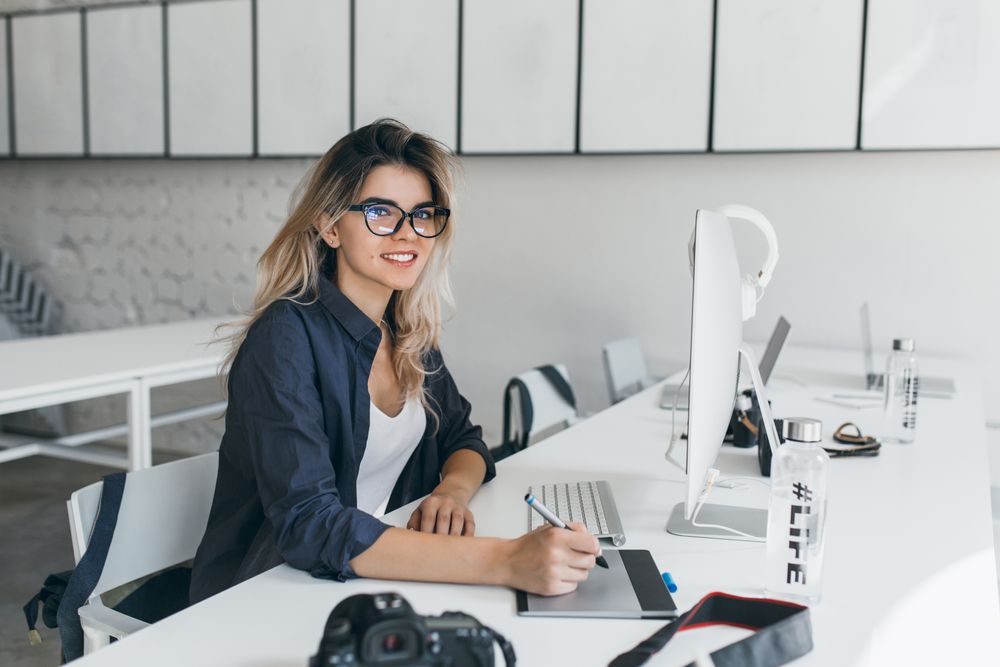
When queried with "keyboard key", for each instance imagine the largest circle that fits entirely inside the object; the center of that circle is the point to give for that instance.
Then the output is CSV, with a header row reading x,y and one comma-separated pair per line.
x,y
576,501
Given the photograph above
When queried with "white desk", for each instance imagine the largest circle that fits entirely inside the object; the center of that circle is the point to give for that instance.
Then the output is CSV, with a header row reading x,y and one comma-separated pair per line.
x,y
910,543
51,370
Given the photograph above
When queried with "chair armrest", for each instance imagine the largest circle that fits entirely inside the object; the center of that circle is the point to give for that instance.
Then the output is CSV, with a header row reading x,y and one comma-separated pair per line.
x,y
107,620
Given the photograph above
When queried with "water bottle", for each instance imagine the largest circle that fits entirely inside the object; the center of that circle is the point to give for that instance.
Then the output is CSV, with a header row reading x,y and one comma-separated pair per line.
x,y
902,383
797,513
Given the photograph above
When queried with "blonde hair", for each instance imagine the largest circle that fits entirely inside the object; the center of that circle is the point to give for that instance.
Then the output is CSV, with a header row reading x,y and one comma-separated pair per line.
x,y
297,259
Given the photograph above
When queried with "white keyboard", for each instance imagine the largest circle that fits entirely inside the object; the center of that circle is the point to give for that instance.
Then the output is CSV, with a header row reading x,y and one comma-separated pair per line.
x,y
590,503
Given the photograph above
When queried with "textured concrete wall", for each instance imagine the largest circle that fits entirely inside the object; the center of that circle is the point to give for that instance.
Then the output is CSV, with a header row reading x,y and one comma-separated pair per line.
x,y
130,242
121,243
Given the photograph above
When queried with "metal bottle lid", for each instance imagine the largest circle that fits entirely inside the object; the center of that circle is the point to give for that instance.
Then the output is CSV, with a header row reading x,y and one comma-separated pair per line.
x,y
904,344
803,429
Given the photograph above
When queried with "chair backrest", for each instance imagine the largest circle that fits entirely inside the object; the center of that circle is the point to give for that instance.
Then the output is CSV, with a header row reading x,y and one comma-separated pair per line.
x,y
625,368
162,518
550,409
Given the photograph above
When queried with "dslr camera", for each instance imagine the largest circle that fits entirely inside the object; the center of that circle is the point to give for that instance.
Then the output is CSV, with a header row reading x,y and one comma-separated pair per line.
x,y
383,629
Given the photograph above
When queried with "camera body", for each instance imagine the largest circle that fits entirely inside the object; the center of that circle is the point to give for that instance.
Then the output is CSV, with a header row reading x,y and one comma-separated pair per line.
x,y
383,629
748,409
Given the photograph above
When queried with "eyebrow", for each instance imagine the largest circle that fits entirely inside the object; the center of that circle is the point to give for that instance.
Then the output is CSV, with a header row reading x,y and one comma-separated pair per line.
x,y
386,200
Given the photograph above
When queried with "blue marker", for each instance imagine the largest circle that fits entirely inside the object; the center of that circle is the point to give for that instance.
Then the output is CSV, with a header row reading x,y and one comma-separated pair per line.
x,y
549,516
669,581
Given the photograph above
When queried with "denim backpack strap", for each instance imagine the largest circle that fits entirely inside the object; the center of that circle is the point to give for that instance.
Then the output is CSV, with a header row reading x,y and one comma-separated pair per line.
x,y
558,383
517,440
88,571
515,436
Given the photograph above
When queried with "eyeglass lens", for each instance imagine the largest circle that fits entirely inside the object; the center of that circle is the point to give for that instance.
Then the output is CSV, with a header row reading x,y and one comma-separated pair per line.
x,y
382,219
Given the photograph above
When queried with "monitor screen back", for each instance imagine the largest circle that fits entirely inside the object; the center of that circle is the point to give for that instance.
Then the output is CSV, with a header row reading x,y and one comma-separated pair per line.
x,y
716,336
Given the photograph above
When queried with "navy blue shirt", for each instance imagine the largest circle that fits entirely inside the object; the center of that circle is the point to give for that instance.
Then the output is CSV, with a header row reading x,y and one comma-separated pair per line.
x,y
296,430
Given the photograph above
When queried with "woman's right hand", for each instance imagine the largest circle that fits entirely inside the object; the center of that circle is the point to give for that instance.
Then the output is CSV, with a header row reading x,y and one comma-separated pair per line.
x,y
552,561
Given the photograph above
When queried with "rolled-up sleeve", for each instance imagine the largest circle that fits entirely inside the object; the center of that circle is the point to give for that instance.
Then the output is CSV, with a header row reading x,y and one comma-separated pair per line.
x,y
456,428
274,392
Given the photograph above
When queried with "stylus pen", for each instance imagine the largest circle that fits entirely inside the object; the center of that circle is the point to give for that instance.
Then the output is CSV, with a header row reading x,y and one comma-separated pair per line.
x,y
536,504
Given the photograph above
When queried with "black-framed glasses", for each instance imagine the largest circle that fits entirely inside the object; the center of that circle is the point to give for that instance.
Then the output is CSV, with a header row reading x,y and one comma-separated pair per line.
x,y
384,219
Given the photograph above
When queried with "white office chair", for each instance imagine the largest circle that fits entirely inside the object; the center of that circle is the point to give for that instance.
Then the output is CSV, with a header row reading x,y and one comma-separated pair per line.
x,y
162,518
625,369
551,412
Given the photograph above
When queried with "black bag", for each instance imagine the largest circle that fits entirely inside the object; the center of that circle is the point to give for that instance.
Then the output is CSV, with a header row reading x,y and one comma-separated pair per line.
x,y
513,443
49,597
64,593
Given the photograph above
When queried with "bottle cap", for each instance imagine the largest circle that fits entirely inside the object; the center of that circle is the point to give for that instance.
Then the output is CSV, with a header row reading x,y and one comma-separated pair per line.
x,y
904,344
803,429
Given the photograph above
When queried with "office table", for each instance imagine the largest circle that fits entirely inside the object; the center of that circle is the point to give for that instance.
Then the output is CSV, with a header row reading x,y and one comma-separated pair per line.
x,y
910,577
52,370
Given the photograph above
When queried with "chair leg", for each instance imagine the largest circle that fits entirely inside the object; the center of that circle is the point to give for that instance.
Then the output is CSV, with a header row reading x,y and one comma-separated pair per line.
x,y
94,639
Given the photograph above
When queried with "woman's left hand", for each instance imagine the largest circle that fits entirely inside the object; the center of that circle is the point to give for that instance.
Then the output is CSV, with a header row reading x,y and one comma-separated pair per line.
x,y
443,513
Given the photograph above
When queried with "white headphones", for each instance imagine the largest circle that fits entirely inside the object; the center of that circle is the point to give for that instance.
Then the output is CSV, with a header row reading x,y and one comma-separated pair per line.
x,y
753,285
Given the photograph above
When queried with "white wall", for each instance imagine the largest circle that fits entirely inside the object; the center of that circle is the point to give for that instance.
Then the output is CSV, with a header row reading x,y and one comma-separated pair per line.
x,y
555,255
559,255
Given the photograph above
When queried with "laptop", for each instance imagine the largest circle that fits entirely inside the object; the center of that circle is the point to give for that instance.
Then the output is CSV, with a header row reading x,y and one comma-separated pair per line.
x,y
876,381
767,363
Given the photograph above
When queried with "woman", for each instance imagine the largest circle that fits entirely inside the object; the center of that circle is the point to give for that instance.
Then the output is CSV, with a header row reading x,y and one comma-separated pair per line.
x,y
340,406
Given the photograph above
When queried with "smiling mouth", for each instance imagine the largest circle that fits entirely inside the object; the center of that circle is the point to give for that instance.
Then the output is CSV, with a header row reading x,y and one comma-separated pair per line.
x,y
402,259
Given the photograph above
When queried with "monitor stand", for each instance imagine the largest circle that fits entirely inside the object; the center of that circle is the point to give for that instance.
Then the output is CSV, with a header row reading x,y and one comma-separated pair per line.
x,y
729,522
750,521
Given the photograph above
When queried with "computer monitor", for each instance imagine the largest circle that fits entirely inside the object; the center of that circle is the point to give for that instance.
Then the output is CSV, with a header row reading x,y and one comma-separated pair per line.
x,y
716,346
672,398
716,336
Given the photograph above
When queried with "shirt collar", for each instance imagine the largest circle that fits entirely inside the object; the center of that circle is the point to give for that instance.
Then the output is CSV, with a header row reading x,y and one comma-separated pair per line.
x,y
343,309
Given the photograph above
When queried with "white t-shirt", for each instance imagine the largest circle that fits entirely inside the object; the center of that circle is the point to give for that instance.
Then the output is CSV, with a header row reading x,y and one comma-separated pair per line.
x,y
391,441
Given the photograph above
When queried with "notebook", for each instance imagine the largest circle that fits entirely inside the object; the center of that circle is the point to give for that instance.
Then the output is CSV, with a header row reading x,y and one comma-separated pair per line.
x,y
631,587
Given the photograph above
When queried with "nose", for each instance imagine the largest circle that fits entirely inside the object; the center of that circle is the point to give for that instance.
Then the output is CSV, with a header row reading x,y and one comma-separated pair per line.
x,y
406,231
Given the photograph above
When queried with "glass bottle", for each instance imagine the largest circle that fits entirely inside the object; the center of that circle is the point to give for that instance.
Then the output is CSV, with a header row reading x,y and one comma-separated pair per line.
x,y
902,383
797,513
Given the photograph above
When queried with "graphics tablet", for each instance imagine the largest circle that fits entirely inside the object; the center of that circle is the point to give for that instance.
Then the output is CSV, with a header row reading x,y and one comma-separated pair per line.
x,y
631,587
